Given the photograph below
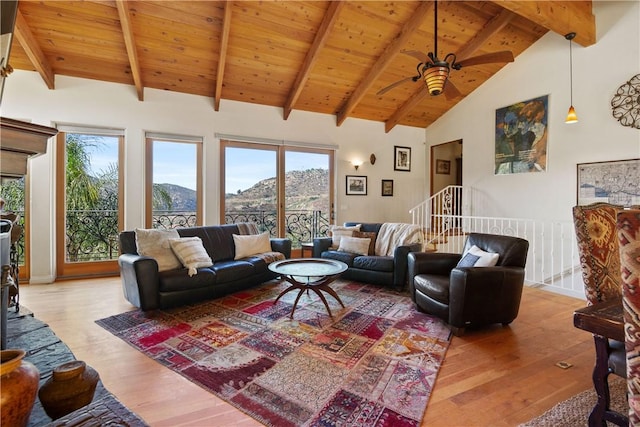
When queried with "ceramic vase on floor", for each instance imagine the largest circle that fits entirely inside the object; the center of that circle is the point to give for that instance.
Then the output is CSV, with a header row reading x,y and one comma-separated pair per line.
x,y
19,387
70,387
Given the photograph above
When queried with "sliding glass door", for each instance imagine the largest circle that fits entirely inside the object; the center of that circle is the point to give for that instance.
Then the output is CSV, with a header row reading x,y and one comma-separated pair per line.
x,y
89,198
285,190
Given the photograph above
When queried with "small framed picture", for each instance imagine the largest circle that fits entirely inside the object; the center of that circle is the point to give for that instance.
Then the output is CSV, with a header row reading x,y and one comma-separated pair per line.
x,y
402,159
387,187
443,167
356,185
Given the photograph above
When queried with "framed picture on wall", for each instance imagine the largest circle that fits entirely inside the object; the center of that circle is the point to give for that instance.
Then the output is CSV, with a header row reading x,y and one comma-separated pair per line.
x,y
356,185
443,167
521,137
387,187
402,158
613,182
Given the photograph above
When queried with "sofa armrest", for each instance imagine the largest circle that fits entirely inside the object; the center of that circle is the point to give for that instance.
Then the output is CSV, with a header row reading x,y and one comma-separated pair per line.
x,y
281,245
496,290
140,281
320,244
400,259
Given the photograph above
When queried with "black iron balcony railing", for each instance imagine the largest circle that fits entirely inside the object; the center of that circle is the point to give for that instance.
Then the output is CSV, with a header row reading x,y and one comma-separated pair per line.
x,y
92,235
301,225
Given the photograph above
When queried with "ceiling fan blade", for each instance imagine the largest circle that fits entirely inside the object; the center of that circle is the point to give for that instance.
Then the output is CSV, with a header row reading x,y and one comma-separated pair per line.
x,y
392,85
451,91
420,56
503,56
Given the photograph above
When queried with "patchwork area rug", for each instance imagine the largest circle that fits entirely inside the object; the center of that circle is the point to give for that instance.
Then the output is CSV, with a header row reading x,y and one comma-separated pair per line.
x,y
374,364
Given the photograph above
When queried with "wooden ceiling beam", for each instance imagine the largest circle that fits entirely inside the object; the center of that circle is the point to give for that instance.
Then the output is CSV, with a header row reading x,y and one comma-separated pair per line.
x,y
129,41
492,27
319,41
384,60
31,47
561,17
222,58
496,24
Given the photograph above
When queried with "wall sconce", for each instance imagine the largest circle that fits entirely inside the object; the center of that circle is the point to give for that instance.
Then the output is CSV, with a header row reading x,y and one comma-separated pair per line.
x,y
571,115
356,163
372,159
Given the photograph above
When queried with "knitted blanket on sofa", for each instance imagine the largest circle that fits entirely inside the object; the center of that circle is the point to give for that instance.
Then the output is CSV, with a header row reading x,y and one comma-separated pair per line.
x,y
392,235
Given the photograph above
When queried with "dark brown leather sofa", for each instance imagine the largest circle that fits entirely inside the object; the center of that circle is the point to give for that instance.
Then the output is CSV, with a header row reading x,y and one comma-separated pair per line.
x,y
377,270
147,288
467,296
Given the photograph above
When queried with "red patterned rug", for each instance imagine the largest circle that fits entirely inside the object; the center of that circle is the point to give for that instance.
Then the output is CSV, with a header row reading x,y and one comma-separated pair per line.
x,y
373,364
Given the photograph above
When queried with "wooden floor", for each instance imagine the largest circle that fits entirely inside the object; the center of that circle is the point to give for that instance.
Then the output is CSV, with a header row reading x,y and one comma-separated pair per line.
x,y
501,376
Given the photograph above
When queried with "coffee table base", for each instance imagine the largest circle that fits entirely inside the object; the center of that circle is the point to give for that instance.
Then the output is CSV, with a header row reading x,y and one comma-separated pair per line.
x,y
317,286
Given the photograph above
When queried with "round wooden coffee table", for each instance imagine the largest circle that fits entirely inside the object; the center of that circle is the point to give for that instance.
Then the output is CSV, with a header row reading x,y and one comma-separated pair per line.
x,y
309,274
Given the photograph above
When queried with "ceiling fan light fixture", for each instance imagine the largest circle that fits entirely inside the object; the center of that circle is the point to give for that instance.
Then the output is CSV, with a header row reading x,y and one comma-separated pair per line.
x,y
435,77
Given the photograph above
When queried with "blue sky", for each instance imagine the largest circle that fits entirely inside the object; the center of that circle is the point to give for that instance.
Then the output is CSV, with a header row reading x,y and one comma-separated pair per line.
x,y
175,163
245,167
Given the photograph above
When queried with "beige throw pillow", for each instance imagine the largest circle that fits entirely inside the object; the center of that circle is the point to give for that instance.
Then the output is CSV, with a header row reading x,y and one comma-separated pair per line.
x,y
355,245
191,253
155,244
251,244
337,232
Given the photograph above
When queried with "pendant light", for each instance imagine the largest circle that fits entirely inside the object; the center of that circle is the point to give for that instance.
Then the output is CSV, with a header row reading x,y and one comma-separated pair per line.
x,y
571,115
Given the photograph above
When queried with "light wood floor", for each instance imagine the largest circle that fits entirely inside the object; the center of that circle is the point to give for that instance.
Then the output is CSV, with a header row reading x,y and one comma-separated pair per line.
x,y
491,377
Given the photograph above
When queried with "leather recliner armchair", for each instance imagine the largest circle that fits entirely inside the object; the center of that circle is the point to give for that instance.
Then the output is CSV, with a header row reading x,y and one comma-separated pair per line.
x,y
467,296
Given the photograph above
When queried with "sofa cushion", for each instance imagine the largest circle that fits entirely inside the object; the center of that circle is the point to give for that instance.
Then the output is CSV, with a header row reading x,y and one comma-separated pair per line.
x,y
476,257
251,244
354,245
155,244
375,263
191,253
179,280
262,261
345,257
228,271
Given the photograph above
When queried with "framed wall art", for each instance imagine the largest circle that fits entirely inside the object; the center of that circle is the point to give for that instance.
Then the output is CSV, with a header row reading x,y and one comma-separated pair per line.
x,y
356,185
521,137
387,187
613,182
402,158
443,167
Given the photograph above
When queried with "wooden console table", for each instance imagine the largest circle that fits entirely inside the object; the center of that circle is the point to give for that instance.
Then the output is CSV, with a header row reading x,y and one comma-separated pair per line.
x,y
605,321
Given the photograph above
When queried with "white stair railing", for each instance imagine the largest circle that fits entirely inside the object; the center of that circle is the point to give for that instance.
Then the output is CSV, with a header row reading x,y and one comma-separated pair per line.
x,y
552,262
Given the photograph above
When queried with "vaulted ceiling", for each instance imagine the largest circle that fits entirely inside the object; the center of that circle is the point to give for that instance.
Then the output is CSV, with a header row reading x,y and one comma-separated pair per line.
x,y
327,57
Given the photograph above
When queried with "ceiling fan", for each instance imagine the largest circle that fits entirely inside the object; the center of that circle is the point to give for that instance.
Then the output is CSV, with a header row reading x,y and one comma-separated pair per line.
x,y
435,72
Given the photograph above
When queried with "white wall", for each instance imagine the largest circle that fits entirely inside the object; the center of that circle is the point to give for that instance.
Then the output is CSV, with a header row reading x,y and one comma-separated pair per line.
x,y
598,71
93,103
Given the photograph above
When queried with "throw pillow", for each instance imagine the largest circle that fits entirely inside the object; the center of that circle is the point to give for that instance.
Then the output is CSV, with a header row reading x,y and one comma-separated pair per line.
x,y
191,253
354,245
476,257
251,244
155,244
368,235
338,231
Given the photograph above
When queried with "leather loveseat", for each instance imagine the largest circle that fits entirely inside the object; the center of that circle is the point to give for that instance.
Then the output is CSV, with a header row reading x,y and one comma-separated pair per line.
x,y
148,288
386,270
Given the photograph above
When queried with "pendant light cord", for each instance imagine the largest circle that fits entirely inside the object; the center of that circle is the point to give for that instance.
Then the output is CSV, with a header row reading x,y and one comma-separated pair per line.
x,y
571,69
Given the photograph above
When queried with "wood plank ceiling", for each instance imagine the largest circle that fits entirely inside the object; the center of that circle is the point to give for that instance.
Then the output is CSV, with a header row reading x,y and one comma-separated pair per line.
x,y
328,57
